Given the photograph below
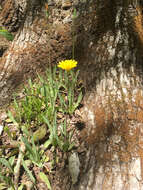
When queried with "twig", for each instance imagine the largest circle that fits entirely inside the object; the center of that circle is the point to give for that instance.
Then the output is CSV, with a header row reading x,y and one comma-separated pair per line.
x,y
18,164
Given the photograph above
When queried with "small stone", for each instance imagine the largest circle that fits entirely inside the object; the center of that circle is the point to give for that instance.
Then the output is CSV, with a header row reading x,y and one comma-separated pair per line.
x,y
1,129
74,167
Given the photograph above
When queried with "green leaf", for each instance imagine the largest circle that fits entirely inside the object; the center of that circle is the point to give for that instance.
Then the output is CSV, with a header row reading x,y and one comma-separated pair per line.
x,y
2,186
39,134
71,145
7,35
28,171
31,86
41,79
25,131
21,187
11,160
70,97
47,143
45,179
48,123
63,105
6,129
47,14
11,188
36,159
6,179
11,117
78,100
7,164
30,149
74,13
43,91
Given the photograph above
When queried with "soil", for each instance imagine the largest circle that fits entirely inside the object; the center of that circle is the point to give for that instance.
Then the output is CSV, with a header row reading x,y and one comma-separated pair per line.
x,y
58,174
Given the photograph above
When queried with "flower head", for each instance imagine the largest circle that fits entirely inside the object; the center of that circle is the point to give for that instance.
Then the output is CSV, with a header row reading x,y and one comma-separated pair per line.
x,y
67,64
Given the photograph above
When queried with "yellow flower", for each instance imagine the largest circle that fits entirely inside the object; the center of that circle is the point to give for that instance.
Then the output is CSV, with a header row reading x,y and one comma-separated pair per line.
x,y
67,64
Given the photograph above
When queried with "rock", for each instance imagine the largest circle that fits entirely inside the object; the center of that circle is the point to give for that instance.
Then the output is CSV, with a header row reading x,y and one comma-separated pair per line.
x,y
74,167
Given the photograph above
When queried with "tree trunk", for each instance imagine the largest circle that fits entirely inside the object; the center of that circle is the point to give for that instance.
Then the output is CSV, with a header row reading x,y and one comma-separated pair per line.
x,y
113,105
38,42
109,45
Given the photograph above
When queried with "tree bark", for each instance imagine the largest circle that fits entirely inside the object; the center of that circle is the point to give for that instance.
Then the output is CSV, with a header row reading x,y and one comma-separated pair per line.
x,y
38,42
109,45
113,105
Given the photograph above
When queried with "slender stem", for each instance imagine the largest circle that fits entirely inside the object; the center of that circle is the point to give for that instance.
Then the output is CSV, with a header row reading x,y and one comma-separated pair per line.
x,y
18,164
73,46
73,33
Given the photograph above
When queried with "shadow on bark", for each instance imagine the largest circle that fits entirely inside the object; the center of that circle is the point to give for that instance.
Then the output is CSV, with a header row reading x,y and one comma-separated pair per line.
x,y
109,49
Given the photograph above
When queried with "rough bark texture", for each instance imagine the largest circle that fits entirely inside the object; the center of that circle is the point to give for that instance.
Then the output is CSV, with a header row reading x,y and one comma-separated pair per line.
x,y
39,41
113,105
109,45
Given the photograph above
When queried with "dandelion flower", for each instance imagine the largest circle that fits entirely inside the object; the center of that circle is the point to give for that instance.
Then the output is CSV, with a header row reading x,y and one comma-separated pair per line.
x,y
67,64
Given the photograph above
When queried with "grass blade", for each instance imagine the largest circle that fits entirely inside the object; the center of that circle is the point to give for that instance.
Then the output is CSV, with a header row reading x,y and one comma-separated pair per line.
x,y
2,186
45,179
11,117
7,164
7,35
78,101
28,171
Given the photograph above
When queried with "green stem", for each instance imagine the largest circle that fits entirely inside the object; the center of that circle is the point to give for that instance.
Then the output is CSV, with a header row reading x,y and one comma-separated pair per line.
x,y
73,47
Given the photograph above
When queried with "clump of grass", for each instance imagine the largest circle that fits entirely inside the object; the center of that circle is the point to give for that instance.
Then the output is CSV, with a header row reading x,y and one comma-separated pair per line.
x,y
41,115
57,92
